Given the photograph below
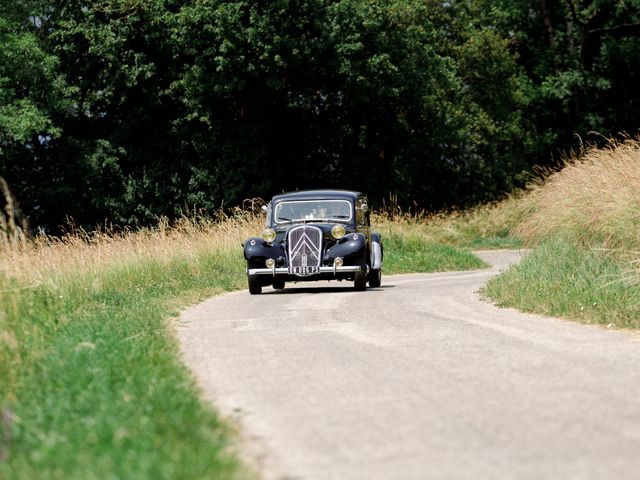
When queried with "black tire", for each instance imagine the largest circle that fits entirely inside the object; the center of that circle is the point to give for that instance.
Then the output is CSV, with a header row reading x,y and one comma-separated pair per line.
x,y
278,283
360,280
375,278
255,287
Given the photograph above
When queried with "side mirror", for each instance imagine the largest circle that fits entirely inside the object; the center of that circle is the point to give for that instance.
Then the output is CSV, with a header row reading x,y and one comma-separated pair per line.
x,y
264,208
364,207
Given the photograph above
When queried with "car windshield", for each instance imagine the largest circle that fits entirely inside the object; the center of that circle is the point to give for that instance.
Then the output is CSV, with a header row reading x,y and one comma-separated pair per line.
x,y
313,210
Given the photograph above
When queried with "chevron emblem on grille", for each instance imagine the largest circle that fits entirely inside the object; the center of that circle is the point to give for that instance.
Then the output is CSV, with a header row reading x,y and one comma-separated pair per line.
x,y
304,250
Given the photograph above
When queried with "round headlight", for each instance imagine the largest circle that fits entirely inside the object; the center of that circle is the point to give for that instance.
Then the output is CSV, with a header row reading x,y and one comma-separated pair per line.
x,y
269,234
338,262
270,263
338,231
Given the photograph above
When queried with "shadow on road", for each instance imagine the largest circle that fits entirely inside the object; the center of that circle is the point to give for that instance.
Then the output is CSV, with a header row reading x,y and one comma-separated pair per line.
x,y
306,289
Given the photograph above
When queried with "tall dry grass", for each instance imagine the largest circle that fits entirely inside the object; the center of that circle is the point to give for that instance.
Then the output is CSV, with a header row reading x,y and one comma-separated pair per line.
x,y
584,222
81,253
84,338
594,200
488,225
81,264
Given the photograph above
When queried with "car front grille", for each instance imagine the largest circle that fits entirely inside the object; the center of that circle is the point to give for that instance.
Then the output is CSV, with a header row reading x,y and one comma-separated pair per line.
x,y
305,247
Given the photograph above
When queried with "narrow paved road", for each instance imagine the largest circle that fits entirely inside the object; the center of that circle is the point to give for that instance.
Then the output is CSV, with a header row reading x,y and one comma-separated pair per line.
x,y
419,379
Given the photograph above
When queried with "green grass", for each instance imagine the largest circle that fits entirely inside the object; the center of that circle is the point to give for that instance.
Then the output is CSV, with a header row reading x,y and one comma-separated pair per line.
x,y
564,279
583,225
484,227
410,254
96,388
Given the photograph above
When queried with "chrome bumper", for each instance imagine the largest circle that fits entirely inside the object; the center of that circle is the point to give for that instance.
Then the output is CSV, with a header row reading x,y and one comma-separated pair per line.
x,y
285,270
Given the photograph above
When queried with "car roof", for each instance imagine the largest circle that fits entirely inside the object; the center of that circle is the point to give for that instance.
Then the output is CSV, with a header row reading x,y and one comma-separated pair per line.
x,y
317,195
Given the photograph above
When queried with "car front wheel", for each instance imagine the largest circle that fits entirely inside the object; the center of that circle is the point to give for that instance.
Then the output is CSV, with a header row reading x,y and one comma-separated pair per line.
x,y
255,287
360,280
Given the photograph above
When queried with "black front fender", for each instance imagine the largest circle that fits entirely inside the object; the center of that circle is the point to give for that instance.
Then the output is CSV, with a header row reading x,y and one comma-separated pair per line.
x,y
257,251
351,248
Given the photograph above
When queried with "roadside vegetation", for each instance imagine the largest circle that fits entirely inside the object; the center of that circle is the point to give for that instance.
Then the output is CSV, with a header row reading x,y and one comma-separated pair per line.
x,y
487,226
91,383
410,254
583,224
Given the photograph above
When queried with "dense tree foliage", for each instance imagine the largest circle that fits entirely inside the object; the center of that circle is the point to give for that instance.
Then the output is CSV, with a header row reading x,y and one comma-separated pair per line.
x,y
129,109
582,60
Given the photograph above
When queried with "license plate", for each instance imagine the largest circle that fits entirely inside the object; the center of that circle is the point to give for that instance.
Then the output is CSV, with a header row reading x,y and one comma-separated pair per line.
x,y
307,270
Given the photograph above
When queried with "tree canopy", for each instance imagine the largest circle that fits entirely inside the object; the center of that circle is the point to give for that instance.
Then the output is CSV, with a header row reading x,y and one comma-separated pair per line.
x,y
124,110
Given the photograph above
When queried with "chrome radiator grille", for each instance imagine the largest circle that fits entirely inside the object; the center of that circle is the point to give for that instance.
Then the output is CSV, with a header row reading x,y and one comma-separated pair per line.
x,y
305,249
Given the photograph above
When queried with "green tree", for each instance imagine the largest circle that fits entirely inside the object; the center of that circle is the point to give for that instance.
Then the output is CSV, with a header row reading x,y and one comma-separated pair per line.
x,y
128,109
30,83
355,94
581,59
121,140
32,92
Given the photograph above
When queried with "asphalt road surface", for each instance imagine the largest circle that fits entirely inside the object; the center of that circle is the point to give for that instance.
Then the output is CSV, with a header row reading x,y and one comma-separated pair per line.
x,y
418,379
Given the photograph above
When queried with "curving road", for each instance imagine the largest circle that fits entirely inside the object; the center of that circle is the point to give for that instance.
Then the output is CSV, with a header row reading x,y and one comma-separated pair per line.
x,y
418,379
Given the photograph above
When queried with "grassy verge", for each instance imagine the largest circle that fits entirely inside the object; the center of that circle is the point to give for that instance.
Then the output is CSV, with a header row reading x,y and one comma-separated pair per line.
x,y
91,381
410,254
443,242
562,279
488,226
91,384
584,228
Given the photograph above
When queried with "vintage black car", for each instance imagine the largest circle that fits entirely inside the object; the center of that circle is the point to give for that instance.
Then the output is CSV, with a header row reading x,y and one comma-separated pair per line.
x,y
315,235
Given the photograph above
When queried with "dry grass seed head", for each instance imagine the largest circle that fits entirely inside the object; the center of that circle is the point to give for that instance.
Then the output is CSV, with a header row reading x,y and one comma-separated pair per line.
x,y
88,252
596,198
